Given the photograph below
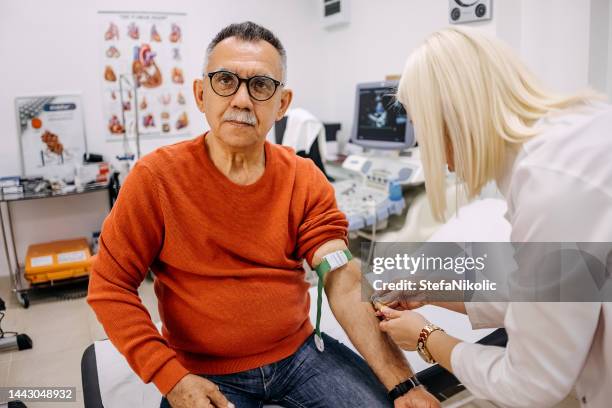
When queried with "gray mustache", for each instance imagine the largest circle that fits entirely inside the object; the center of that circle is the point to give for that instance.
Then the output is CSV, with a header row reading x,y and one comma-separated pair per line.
x,y
240,116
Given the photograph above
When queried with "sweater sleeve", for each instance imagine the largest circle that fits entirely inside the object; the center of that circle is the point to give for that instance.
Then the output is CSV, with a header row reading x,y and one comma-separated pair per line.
x,y
322,221
131,239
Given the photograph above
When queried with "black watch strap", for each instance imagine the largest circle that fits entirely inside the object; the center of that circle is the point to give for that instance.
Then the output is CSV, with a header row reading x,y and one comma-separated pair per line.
x,y
403,388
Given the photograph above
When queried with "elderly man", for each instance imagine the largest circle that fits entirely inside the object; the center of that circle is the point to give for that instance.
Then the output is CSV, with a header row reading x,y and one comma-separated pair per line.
x,y
224,221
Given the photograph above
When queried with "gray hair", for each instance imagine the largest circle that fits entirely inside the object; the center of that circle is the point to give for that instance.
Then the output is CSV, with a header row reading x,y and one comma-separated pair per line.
x,y
251,32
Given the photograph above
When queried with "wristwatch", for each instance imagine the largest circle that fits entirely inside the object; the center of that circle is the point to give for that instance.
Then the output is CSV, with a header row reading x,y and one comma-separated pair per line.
x,y
403,388
330,262
422,342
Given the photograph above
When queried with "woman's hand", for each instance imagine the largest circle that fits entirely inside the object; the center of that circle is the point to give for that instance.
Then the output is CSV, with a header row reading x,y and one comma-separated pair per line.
x,y
404,327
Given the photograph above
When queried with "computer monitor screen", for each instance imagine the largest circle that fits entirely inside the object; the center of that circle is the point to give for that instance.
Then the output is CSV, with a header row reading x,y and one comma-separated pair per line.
x,y
380,121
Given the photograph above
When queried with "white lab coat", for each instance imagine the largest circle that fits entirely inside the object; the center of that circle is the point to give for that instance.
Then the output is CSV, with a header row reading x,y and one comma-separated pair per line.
x,y
558,189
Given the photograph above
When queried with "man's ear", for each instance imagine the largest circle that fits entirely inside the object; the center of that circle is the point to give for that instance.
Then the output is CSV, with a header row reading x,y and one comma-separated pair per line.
x,y
198,93
286,98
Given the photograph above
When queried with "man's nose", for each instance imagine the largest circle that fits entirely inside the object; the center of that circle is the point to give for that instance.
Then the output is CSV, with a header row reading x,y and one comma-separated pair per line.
x,y
241,99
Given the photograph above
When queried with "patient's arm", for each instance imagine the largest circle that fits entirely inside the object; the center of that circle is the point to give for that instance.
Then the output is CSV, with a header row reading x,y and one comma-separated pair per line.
x,y
357,318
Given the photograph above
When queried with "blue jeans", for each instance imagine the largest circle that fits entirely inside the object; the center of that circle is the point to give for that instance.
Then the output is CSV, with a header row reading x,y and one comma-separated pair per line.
x,y
307,379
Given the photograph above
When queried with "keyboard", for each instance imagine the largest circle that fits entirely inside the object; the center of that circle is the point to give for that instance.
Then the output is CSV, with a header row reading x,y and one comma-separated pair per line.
x,y
365,205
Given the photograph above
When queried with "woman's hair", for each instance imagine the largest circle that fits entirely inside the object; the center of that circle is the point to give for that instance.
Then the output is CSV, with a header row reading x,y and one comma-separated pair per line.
x,y
468,89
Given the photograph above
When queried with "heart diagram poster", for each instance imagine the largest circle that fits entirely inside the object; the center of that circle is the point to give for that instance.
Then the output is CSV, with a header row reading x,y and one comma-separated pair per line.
x,y
141,72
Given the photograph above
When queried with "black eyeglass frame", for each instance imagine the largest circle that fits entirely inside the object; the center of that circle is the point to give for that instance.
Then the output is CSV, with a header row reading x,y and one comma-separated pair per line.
x,y
276,83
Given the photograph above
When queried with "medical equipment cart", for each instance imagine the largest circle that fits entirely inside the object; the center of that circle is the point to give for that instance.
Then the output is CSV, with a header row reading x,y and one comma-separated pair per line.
x,y
20,286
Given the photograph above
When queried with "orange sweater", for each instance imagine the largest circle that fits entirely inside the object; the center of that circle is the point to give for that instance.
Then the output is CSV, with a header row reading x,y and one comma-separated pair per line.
x,y
227,261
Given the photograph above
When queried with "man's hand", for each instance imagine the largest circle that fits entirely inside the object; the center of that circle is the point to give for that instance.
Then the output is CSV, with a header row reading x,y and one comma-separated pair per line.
x,y
193,391
417,397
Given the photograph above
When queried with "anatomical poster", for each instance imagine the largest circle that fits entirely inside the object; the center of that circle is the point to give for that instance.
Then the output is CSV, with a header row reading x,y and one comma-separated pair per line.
x,y
51,134
142,71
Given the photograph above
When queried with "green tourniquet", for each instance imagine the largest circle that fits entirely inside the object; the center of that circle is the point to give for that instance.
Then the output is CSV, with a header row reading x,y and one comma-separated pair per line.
x,y
321,270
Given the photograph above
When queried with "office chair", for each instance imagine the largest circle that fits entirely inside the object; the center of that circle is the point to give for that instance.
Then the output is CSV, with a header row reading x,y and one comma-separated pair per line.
x,y
314,154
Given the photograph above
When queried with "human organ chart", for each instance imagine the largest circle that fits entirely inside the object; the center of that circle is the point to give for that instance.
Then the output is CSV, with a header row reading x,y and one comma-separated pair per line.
x,y
143,49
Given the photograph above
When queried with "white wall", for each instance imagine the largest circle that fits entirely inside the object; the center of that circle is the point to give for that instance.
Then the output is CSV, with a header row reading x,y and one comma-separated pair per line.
x,y
555,41
53,46
610,54
375,44
552,37
599,42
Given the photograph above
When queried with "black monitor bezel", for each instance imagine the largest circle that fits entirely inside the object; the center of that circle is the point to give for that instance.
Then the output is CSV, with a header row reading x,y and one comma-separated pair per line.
x,y
409,138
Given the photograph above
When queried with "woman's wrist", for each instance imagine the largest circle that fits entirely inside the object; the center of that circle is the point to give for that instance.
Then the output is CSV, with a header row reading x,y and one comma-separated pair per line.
x,y
440,345
423,339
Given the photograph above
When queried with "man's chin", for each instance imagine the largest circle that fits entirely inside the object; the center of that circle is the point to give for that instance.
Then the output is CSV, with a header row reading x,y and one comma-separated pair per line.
x,y
239,136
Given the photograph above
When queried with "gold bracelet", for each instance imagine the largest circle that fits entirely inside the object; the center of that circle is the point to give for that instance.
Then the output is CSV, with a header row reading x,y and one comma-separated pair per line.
x,y
422,342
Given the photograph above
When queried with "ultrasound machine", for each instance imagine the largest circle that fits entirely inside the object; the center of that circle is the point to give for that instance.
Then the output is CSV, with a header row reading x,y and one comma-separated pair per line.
x,y
390,162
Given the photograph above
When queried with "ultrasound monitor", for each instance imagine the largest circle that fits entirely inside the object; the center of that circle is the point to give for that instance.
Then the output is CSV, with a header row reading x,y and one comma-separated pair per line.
x,y
380,120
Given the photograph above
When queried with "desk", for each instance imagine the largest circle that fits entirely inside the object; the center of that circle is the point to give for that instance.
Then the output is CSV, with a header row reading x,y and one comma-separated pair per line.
x,y
20,286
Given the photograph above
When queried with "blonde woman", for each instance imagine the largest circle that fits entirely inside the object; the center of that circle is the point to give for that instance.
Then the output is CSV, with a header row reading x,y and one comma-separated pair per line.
x,y
479,112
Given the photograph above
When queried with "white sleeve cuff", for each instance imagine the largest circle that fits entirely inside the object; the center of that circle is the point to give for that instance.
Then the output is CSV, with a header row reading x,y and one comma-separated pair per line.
x,y
472,364
485,315
456,358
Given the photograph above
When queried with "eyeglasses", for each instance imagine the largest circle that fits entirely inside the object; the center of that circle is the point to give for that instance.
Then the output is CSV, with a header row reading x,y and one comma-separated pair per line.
x,y
225,83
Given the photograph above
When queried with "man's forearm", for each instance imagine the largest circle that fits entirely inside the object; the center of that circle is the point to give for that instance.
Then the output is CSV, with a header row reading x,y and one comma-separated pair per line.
x,y
113,296
357,318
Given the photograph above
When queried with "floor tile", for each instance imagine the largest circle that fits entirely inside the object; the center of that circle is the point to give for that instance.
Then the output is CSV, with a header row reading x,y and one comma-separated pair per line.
x,y
97,332
14,319
4,369
51,369
75,336
5,357
5,288
77,404
569,402
95,328
54,315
